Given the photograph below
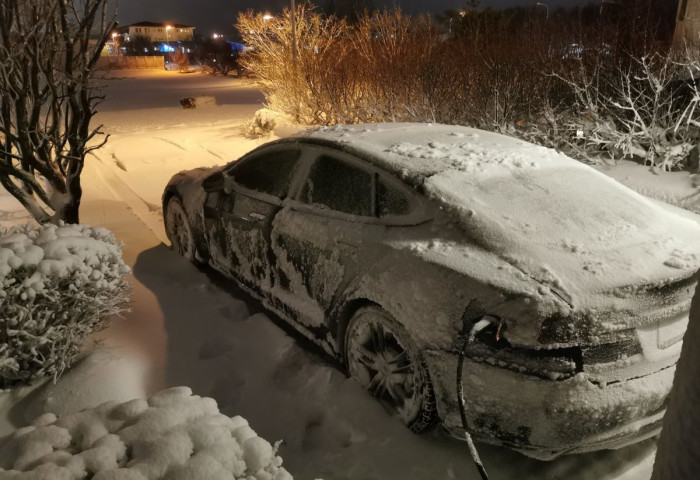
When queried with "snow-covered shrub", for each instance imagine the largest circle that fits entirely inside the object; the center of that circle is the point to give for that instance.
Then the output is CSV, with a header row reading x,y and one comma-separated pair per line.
x,y
265,121
391,66
283,72
58,284
173,435
645,106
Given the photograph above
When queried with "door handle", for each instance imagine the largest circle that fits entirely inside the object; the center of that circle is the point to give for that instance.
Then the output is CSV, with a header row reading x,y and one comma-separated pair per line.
x,y
256,216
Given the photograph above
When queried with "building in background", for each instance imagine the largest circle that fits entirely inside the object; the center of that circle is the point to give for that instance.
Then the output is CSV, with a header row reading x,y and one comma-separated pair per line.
x,y
157,32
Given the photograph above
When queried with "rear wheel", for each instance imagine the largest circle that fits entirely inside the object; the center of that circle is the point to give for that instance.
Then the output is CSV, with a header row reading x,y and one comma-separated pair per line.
x,y
177,227
383,358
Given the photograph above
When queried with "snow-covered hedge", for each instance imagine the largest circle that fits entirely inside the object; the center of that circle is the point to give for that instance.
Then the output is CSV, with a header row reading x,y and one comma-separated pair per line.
x,y
265,121
174,435
58,284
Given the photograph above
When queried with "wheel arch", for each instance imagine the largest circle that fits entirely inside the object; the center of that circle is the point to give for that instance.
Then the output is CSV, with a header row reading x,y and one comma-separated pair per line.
x,y
339,323
201,247
169,193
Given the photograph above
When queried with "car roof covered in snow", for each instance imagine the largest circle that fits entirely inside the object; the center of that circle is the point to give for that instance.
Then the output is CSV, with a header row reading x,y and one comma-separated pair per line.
x,y
414,151
540,209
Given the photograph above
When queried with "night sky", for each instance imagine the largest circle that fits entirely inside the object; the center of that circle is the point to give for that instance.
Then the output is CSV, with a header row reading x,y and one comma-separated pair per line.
x,y
210,16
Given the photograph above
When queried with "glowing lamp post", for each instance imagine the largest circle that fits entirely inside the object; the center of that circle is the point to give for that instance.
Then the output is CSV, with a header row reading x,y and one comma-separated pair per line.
x,y
115,46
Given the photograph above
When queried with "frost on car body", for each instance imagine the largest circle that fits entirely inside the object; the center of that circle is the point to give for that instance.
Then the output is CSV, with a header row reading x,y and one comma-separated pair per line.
x,y
590,281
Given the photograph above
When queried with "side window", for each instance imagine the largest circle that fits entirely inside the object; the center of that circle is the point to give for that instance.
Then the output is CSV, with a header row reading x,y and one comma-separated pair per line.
x,y
390,201
268,173
339,186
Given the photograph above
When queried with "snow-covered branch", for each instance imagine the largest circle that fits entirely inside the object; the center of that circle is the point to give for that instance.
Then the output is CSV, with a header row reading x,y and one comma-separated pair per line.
x,y
48,98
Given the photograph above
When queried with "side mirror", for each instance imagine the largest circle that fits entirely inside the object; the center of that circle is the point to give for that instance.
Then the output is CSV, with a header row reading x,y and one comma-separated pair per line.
x,y
214,183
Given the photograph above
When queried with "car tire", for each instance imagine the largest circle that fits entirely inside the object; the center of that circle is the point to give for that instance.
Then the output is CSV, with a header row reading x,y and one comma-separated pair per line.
x,y
178,230
381,356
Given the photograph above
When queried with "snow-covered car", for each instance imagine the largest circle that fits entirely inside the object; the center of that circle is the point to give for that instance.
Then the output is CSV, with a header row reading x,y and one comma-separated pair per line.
x,y
386,244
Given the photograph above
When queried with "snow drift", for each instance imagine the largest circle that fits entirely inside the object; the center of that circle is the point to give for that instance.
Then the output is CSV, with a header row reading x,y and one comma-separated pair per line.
x,y
173,435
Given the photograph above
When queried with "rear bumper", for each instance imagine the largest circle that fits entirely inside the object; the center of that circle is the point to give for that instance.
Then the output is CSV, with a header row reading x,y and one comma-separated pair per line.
x,y
544,418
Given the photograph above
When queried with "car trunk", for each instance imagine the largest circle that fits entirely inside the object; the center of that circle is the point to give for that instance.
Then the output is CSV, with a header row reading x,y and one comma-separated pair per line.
x,y
618,259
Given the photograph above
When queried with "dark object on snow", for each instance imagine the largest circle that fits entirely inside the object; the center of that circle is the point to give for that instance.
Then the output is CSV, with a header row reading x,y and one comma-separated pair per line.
x,y
188,102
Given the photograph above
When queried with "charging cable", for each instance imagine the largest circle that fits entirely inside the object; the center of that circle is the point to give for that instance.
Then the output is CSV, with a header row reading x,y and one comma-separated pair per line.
x,y
485,322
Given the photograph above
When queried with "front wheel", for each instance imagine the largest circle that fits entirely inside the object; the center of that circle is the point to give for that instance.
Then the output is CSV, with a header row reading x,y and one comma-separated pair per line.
x,y
383,358
178,230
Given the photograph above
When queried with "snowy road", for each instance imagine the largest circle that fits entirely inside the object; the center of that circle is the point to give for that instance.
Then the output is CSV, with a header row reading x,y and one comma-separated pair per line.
x,y
191,328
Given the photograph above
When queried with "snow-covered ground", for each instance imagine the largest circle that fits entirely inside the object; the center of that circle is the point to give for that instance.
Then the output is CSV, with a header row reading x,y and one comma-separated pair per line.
x,y
191,327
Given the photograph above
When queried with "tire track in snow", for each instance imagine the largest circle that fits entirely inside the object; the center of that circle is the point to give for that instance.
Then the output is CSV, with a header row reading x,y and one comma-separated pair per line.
x,y
148,213
171,142
212,153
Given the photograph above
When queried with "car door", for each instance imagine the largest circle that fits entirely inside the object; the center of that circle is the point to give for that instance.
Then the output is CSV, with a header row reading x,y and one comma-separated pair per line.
x,y
239,236
329,236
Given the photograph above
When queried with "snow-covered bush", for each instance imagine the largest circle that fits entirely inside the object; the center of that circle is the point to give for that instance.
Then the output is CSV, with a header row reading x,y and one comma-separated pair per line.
x,y
646,107
173,435
265,121
58,284
391,66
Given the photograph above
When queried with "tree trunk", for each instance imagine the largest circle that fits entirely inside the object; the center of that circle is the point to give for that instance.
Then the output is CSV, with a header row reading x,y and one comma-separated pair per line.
x,y
70,212
678,455
48,97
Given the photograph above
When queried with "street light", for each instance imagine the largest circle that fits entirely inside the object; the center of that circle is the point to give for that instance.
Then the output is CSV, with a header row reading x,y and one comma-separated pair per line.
x,y
267,17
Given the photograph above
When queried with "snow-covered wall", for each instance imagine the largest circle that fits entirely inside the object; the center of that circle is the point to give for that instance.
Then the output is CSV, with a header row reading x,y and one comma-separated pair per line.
x,y
678,456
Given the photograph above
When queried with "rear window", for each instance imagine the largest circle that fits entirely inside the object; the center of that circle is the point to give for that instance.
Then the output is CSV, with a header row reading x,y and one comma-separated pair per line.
x,y
390,201
339,186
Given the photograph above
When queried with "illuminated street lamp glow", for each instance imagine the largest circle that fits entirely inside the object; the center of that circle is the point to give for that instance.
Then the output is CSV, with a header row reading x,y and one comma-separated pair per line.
x,y
267,17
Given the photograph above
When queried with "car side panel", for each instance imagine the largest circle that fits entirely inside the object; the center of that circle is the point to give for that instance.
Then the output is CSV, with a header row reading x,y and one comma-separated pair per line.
x,y
317,258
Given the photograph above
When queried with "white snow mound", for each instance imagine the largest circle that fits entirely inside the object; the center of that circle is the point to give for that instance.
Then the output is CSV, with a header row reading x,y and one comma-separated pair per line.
x,y
173,435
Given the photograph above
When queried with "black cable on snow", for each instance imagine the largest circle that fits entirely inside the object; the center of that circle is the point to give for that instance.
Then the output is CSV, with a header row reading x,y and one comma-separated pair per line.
x,y
468,338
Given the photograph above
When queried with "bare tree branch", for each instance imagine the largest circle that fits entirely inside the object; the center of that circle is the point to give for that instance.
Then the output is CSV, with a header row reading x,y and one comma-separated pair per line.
x,y
48,97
